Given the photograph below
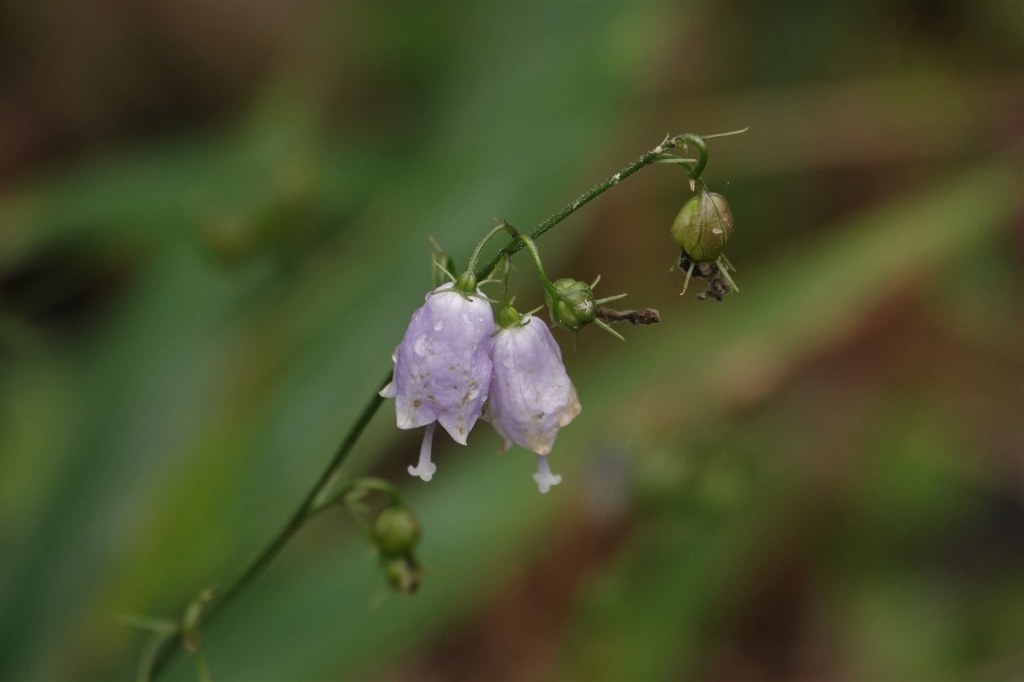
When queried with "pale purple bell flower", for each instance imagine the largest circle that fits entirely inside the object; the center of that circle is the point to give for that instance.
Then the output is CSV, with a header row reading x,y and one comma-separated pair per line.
x,y
443,368
531,396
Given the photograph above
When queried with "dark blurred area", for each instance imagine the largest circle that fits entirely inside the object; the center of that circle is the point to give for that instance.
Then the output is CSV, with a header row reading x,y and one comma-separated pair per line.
x,y
213,230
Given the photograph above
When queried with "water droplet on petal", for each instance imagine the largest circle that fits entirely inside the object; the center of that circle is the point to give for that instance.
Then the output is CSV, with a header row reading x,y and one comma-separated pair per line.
x,y
420,346
438,325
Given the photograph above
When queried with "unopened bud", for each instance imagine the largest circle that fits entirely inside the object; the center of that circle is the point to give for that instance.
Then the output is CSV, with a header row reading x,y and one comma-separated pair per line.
x,y
571,304
395,531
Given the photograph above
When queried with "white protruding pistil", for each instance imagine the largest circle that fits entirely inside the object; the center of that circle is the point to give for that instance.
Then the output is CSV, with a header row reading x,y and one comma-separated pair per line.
x,y
544,478
425,468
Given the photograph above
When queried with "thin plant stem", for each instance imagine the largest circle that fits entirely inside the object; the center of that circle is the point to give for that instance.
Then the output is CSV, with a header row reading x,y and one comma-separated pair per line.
x,y
483,242
516,244
171,646
202,667
541,274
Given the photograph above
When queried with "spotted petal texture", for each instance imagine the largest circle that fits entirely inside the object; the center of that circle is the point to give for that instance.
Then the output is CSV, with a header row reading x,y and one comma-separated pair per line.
x,y
442,367
531,396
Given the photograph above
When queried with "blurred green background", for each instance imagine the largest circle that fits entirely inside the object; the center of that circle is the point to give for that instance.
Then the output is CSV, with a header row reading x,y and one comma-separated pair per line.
x,y
213,230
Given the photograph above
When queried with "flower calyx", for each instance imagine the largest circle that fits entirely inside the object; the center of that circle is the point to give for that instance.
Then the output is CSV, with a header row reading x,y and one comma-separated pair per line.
x,y
715,273
508,317
465,284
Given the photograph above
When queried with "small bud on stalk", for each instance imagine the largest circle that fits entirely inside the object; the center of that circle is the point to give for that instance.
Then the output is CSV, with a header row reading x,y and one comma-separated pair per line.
x,y
570,302
395,531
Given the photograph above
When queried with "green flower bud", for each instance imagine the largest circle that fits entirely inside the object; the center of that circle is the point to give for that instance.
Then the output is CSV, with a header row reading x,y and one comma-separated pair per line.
x,y
466,283
571,304
508,317
403,573
395,531
703,226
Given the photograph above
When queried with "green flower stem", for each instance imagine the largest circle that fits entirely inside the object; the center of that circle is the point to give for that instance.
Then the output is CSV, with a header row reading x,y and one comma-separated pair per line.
x,y
702,160
480,247
308,507
545,282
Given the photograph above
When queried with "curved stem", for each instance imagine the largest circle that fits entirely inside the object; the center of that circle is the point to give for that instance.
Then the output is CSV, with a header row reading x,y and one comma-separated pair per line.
x,y
480,246
504,286
545,282
702,149
172,645
377,485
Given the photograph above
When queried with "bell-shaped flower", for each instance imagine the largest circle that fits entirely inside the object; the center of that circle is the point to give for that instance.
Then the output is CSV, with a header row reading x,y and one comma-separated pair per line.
x,y
443,365
531,396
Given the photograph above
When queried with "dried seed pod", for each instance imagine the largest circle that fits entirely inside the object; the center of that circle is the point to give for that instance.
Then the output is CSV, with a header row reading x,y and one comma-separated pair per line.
x,y
703,226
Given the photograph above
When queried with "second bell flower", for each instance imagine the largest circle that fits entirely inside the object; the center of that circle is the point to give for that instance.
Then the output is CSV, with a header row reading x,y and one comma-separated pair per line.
x,y
531,396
